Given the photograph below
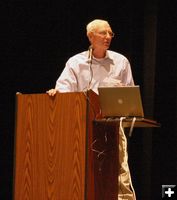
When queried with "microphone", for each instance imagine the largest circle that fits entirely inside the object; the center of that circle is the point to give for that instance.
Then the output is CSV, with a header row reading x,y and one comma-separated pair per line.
x,y
90,55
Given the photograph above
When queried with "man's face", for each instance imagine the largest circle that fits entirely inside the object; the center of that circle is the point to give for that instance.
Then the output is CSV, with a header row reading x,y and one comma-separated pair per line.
x,y
101,37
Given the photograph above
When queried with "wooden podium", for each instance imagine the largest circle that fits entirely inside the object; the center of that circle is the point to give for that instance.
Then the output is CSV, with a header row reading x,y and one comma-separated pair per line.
x,y
60,153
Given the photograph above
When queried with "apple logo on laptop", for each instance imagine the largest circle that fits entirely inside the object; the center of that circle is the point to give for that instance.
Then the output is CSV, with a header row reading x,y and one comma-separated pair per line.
x,y
120,101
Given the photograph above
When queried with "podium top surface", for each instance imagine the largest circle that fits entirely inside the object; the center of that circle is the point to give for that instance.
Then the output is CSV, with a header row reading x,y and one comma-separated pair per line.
x,y
127,122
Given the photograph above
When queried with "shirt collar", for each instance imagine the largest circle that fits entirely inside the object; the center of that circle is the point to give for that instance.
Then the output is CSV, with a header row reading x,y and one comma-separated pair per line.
x,y
107,56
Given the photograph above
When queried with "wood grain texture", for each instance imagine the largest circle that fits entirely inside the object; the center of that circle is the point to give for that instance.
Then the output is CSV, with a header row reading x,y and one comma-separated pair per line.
x,y
50,147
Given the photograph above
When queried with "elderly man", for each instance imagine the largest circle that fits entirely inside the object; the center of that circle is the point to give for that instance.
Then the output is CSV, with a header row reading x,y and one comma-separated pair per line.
x,y
96,67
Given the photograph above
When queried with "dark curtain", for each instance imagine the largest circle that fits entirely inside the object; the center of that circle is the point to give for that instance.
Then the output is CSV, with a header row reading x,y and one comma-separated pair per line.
x,y
38,37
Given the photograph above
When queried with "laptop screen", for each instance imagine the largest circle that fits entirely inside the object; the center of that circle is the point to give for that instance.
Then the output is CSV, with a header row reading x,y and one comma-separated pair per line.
x,y
124,101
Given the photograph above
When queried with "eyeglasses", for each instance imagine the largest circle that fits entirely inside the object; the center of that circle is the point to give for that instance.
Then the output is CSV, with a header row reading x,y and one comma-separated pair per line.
x,y
104,33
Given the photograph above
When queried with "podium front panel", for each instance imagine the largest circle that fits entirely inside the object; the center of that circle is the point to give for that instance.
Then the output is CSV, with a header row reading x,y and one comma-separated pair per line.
x,y
50,147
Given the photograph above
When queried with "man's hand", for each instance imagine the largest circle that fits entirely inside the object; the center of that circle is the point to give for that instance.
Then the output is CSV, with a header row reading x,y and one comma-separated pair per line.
x,y
52,92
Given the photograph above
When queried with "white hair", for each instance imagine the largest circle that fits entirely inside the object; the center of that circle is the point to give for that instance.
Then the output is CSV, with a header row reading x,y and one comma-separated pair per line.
x,y
93,25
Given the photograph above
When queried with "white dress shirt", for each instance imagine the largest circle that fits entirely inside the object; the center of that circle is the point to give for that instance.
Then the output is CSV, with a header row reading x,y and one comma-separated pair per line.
x,y
80,74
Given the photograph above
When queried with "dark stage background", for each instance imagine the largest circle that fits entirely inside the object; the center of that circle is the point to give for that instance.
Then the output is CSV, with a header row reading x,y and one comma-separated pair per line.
x,y
38,37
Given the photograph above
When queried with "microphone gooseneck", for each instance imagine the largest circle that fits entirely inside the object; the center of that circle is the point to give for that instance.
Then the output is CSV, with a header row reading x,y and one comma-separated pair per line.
x,y
90,55
90,50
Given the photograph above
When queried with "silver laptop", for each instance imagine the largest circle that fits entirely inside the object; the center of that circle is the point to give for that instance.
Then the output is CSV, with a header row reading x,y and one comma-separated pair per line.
x,y
121,101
